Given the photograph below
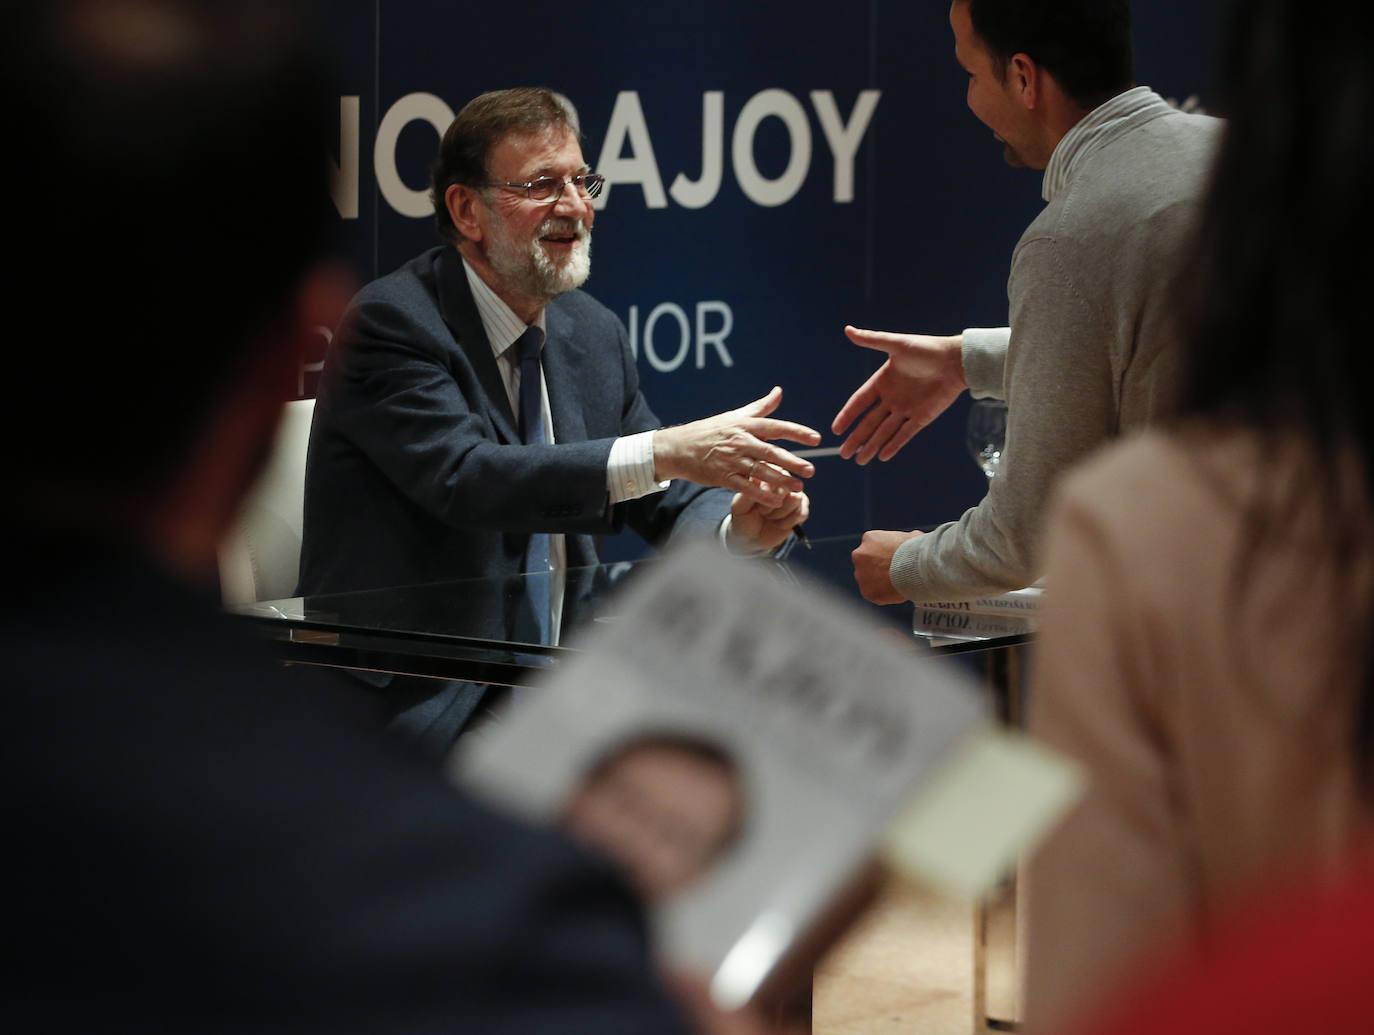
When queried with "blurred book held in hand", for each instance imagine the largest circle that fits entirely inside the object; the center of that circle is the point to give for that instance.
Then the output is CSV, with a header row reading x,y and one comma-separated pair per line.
x,y
753,753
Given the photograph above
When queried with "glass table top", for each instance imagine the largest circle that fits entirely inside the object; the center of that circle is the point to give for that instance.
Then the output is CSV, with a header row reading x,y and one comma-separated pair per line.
x,y
478,629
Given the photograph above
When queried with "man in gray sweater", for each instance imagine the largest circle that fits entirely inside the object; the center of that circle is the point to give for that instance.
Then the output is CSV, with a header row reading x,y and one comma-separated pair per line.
x,y
1090,352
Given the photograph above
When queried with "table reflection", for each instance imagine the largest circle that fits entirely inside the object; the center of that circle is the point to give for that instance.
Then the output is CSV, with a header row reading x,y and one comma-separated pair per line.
x,y
481,629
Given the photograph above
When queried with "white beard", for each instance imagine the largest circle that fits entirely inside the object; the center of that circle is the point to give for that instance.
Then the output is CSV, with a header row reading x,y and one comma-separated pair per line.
x,y
530,269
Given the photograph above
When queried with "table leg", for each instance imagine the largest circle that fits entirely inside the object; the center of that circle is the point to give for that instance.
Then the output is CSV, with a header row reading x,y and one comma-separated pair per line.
x,y
996,963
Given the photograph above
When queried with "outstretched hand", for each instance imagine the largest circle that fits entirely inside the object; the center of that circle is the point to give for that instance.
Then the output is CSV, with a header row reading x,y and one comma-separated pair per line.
x,y
732,450
922,375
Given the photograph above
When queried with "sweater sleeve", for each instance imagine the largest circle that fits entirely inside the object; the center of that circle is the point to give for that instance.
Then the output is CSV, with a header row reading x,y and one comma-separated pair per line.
x,y
985,361
1061,404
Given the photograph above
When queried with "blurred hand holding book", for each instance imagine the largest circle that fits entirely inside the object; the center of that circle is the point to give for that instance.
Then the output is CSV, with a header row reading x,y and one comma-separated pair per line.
x,y
752,751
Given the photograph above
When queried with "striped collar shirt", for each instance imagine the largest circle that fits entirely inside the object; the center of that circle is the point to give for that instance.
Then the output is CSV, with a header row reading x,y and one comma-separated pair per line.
x,y
630,467
503,328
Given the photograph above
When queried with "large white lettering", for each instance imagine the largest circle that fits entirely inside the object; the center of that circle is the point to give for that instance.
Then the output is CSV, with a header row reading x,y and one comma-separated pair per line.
x,y
627,155
844,140
343,177
664,357
715,338
701,193
640,166
627,120
424,107
779,104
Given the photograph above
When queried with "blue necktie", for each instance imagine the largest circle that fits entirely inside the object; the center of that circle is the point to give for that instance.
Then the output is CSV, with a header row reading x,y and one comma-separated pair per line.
x,y
538,583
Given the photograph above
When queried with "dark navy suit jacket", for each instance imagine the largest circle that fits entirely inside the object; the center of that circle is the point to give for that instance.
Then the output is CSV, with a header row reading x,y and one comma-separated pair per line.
x,y
416,472
200,844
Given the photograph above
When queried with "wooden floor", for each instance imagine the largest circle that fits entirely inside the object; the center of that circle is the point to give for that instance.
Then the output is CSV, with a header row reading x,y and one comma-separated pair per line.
x,y
907,966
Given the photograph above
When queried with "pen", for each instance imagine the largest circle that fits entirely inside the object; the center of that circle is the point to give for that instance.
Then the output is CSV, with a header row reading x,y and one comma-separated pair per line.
x,y
802,536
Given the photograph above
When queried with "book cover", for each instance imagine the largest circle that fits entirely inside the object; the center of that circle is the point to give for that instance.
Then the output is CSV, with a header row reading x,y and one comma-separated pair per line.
x,y
939,626
739,743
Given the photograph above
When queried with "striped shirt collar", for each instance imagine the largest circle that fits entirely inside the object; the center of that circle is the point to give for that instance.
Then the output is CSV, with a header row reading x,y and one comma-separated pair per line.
x,y
1105,123
503,327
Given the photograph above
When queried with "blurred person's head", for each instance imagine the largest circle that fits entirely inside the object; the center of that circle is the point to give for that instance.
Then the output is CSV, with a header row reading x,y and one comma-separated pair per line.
x,y
663,808
1037,67
530,245
1277,295
168,168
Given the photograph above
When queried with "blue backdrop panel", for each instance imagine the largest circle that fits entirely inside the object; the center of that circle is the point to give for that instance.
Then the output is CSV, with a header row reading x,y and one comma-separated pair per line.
x,y
777,170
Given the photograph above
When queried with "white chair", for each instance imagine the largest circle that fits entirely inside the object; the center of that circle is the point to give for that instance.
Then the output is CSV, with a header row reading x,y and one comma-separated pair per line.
x,y
260,558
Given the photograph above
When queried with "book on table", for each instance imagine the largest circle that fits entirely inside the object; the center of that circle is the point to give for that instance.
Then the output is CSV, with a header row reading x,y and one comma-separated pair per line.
x,y
1014,603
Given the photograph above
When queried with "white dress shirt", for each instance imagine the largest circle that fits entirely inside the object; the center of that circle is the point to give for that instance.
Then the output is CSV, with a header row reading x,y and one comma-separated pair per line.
x,y
630,467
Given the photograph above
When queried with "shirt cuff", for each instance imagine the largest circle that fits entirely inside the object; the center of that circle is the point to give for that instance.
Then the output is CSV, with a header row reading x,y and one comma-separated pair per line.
x,y
780,551
985,361
630,468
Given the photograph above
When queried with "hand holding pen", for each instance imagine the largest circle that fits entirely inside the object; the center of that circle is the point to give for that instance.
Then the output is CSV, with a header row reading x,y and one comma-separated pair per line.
x,y
758,525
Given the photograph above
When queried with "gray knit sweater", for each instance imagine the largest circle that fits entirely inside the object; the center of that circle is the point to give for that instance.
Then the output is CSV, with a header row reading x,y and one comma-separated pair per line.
x,y
1090,352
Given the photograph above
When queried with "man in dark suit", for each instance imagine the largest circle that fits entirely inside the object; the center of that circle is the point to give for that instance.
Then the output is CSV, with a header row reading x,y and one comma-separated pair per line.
x,y
198,844
428,461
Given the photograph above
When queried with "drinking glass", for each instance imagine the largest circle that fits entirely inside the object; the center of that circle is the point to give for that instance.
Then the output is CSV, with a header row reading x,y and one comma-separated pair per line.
x,y
987,433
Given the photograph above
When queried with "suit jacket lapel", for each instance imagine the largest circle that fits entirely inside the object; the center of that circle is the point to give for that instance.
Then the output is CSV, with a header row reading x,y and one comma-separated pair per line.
x,y
566,368
460,314
561,375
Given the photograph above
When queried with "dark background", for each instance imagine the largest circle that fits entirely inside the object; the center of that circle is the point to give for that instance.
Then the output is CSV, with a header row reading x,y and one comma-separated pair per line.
x,y
923,246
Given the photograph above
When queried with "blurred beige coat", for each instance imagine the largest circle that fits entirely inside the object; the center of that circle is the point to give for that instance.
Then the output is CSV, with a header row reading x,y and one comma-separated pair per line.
x,y
1207,685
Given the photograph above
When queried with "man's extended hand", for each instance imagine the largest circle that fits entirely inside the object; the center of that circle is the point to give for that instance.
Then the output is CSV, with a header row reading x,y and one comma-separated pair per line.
x,y
759,526
873,563
731,450
922,375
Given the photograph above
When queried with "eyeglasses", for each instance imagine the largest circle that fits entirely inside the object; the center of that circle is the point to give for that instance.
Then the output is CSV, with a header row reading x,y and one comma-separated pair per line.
x,y
548,189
